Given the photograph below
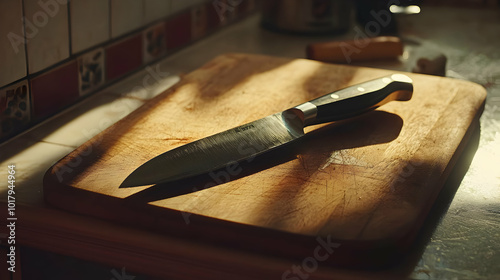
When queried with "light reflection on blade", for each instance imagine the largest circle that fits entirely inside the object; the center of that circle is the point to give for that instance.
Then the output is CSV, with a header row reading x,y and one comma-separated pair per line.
x,y
219,150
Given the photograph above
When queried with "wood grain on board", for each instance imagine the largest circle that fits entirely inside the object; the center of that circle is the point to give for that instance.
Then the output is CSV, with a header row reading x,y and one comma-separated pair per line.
x,y
366,184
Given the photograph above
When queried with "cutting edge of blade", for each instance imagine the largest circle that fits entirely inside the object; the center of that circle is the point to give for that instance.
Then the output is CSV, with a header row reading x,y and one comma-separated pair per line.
x,y
137,177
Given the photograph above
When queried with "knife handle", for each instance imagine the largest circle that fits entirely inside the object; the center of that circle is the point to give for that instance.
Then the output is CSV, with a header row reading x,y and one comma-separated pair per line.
x,y
357,99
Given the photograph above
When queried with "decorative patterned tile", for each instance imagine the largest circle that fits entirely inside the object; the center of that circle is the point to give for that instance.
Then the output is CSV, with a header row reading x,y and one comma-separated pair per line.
x,y
47,33
154,42
90,71
199,21
15,109
123,57
156,9
12,52
93,22
89,23
52,91
179,30
126,16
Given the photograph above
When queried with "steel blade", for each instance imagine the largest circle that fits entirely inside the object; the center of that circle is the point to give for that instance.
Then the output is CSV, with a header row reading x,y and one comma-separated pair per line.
x,y
219,150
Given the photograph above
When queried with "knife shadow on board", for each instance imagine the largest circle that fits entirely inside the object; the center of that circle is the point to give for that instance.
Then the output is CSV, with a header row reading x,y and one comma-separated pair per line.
x,y
372,128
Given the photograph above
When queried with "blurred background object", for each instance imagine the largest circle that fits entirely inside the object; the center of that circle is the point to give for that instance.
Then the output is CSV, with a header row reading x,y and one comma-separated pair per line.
x,y
307,17
462,245
372,10
377,48
431,64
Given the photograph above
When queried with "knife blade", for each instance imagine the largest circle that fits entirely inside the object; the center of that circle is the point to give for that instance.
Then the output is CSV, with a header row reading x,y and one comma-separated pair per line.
x,y
247,141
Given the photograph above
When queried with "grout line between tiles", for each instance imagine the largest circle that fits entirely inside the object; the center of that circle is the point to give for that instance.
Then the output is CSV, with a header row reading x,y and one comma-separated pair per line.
x,y
70,39
23,8
110,21
108,83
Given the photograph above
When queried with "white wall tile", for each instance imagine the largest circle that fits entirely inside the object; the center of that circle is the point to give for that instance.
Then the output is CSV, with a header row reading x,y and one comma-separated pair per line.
x,y
47,33
155,9
89,23
126,15
12,52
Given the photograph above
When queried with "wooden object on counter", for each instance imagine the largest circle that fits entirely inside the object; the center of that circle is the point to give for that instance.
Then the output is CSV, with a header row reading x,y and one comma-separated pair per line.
x,y
361,190
366,49
431,64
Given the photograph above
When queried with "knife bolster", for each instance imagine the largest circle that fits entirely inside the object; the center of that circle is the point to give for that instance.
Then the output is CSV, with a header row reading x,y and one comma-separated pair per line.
x,y
307,112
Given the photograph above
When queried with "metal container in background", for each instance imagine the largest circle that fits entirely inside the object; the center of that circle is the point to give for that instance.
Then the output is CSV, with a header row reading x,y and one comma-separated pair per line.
x,y
307,16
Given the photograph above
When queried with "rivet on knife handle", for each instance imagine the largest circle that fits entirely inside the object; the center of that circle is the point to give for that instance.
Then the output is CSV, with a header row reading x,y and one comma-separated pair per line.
x,y
355,100
243,143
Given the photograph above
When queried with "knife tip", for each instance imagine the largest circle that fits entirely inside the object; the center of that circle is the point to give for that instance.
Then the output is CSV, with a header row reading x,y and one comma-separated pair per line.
x,y
127,183
124,186
133,181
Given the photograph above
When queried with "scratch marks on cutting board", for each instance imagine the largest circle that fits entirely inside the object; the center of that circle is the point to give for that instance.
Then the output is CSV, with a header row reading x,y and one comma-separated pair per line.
x,y
343,157
179,139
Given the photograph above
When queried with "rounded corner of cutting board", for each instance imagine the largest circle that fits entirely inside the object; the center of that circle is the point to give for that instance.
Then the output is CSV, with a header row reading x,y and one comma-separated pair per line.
x,y
55,190
51,184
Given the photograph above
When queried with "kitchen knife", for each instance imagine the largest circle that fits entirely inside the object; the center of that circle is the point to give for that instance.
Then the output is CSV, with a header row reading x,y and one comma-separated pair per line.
x,y
243,143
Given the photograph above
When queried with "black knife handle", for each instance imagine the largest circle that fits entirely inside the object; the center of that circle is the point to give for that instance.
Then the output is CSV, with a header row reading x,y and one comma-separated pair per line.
x,y
357,99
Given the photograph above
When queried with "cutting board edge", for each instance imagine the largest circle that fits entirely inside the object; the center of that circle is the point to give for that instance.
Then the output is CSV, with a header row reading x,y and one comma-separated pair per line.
x,y
474,128
52,172
55,195
258,240
55,191
393,247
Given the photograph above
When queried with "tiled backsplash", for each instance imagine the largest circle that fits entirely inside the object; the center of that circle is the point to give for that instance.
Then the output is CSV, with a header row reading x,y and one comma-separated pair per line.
x,y
12,47
54,52
90,24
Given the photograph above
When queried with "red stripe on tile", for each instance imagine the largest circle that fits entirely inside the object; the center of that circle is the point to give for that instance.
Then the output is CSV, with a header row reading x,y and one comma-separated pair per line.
x,y
123,57
178,30
54,90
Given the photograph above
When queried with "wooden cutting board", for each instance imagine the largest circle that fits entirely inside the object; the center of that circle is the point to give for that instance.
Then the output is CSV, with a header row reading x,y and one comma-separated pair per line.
x,y
365,185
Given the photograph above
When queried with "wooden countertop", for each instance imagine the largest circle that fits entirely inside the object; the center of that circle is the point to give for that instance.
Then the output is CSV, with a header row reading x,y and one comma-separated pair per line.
x,y
35,151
